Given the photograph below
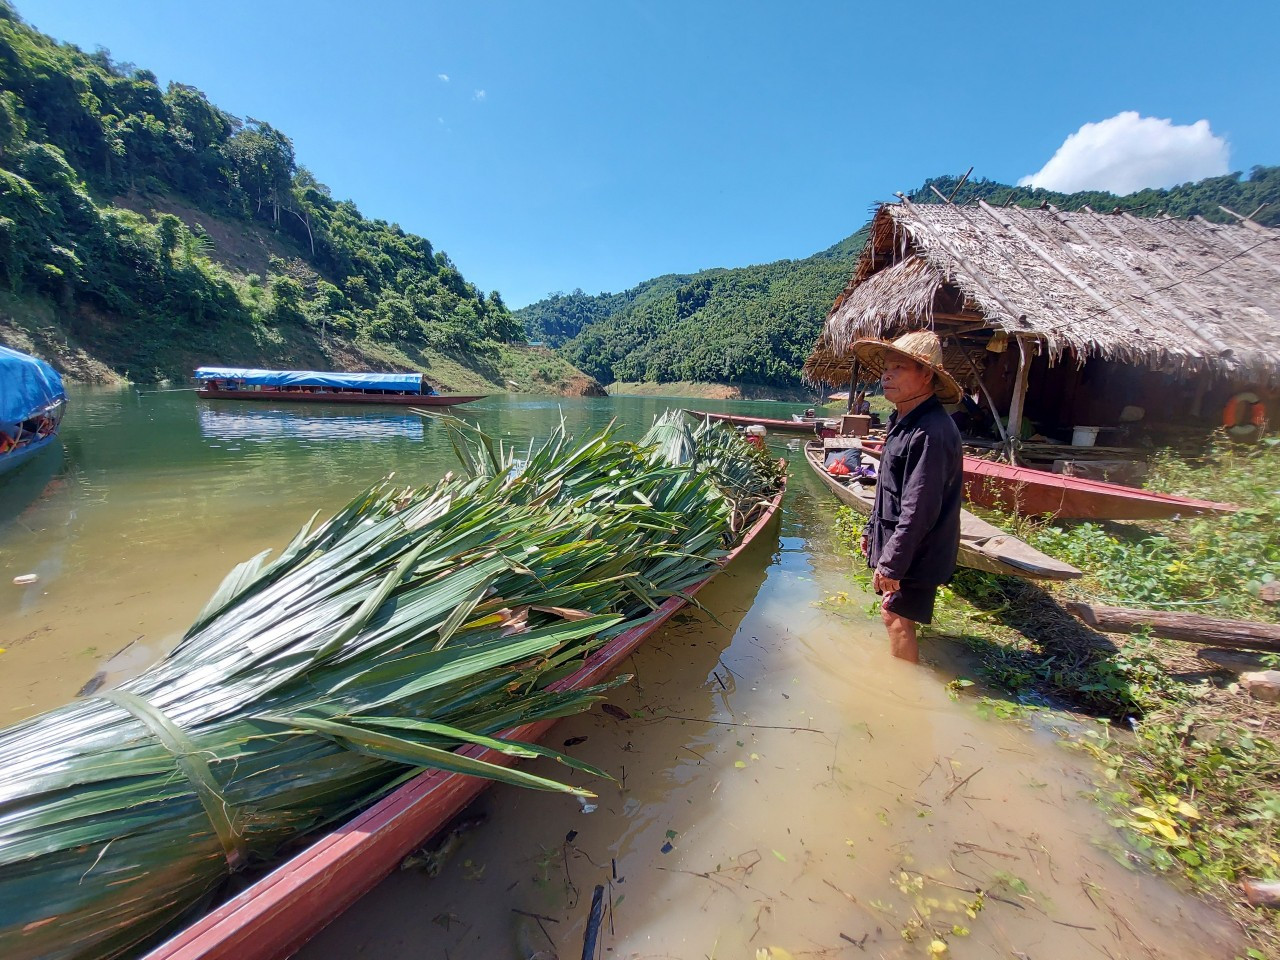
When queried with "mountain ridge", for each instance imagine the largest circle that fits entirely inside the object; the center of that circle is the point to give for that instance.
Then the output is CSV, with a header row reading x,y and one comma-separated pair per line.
x,y
145,230
755,325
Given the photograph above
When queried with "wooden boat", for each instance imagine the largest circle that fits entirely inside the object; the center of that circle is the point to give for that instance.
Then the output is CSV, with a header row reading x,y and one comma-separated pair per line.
x,y
791,425
32,402
983,545
322,386
1001,486
990,483
275,916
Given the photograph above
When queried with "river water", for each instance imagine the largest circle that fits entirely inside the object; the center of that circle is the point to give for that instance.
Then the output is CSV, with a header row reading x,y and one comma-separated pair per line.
x,y
782,784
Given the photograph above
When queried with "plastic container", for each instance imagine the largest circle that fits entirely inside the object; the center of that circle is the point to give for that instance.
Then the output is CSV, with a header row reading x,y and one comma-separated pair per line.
x,y
1084,436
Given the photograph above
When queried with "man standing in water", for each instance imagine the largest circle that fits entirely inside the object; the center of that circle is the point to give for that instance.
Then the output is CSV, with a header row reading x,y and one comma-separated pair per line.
x,y
913,536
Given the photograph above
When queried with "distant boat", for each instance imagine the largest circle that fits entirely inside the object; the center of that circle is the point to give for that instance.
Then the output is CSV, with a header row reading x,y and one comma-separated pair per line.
x,y
793,425
317,386
32,401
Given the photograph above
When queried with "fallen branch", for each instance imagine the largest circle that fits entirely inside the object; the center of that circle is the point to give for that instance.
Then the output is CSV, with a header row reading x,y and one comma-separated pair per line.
x,y
961,784
730,723
1188,627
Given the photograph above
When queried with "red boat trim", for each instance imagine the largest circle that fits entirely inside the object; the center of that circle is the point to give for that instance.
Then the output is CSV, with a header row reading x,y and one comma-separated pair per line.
x,y
990,483
273,918
338,396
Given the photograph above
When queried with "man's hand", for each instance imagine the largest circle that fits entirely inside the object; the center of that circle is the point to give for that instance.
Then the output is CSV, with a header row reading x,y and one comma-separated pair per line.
x,y
882,584
865,546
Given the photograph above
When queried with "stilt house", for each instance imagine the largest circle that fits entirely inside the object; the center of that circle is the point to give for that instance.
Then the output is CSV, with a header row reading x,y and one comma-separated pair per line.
x,y
1078,325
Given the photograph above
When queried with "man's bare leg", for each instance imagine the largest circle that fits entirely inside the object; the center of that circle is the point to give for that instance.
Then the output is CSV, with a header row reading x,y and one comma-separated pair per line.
x,y
902,636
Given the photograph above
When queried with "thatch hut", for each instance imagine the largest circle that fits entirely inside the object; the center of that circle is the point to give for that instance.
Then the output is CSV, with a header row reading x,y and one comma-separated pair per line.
x,y
1069,319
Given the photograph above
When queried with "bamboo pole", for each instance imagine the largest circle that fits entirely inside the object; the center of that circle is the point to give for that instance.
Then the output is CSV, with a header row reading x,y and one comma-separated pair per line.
x,y
853,384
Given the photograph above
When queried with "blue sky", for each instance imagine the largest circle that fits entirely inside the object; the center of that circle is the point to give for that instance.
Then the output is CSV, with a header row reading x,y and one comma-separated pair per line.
x,y
595,145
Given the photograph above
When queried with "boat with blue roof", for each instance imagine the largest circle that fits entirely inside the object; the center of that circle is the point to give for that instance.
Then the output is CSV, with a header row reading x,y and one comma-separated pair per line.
x,y
32,402
320,386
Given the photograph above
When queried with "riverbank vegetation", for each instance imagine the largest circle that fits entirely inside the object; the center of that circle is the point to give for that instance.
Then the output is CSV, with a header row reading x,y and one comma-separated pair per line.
x,y
150,230
711,391
1190,762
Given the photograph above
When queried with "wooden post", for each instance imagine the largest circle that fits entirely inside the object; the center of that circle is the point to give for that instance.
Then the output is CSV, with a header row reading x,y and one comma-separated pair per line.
x,y
1019,400
853,385
1197,402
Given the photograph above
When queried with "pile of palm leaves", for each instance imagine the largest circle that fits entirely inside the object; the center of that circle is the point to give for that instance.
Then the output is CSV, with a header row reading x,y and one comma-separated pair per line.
x,y
412,622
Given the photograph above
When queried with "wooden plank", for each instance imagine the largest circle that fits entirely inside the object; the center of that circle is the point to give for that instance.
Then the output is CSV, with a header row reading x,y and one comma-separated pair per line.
x,y
1188,627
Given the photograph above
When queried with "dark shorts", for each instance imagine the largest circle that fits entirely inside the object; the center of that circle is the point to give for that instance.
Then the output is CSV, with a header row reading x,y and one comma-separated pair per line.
x,y
913,601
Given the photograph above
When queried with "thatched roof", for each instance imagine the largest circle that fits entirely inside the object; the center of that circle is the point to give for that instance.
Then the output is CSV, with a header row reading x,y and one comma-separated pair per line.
x,y
1179,295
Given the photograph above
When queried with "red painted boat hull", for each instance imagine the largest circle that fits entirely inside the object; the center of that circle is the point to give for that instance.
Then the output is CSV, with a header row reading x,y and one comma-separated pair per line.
x,y
273,918
770,423
1000,486
338,396
1025,490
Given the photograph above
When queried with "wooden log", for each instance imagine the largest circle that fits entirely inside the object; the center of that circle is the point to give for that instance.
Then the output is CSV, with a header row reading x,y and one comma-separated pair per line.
x,y
1189,627
1014,435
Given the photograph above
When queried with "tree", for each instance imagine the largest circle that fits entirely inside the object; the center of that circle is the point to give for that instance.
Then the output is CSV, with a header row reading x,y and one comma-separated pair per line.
x,y
262,158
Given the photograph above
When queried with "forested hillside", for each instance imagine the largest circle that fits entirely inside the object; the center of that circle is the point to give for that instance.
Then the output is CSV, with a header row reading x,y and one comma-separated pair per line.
x,y
560,316
261,264
1203,197
756,325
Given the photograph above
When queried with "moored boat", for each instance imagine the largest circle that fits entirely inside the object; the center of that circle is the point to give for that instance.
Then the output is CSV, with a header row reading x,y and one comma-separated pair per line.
x,y
1001,486
983,545
790,425
322,386
32,402
990,483
272,918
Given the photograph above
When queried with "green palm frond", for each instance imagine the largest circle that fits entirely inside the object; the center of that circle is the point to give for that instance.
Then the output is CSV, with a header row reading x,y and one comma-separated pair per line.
x,y
412,622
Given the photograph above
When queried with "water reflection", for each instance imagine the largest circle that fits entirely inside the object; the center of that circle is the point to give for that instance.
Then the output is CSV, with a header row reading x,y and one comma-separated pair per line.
x,y
268,426
35,479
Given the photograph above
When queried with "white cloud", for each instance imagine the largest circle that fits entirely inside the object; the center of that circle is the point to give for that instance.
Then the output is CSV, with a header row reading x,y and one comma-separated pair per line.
x,y
444,77
480,95
1128,152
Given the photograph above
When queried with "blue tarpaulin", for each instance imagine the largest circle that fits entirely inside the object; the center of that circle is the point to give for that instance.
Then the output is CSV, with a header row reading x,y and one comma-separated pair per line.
x,y
407,382
27,386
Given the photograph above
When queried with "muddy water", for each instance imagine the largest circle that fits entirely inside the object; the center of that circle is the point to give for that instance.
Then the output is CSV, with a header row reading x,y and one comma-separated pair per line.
x,y
152,498
780,781
783,785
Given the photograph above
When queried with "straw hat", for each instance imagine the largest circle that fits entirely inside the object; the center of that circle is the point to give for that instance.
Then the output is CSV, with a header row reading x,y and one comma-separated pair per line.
x,y
923,347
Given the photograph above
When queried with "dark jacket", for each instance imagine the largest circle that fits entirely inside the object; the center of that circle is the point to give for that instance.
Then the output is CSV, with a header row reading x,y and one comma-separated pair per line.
x,y
914,530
